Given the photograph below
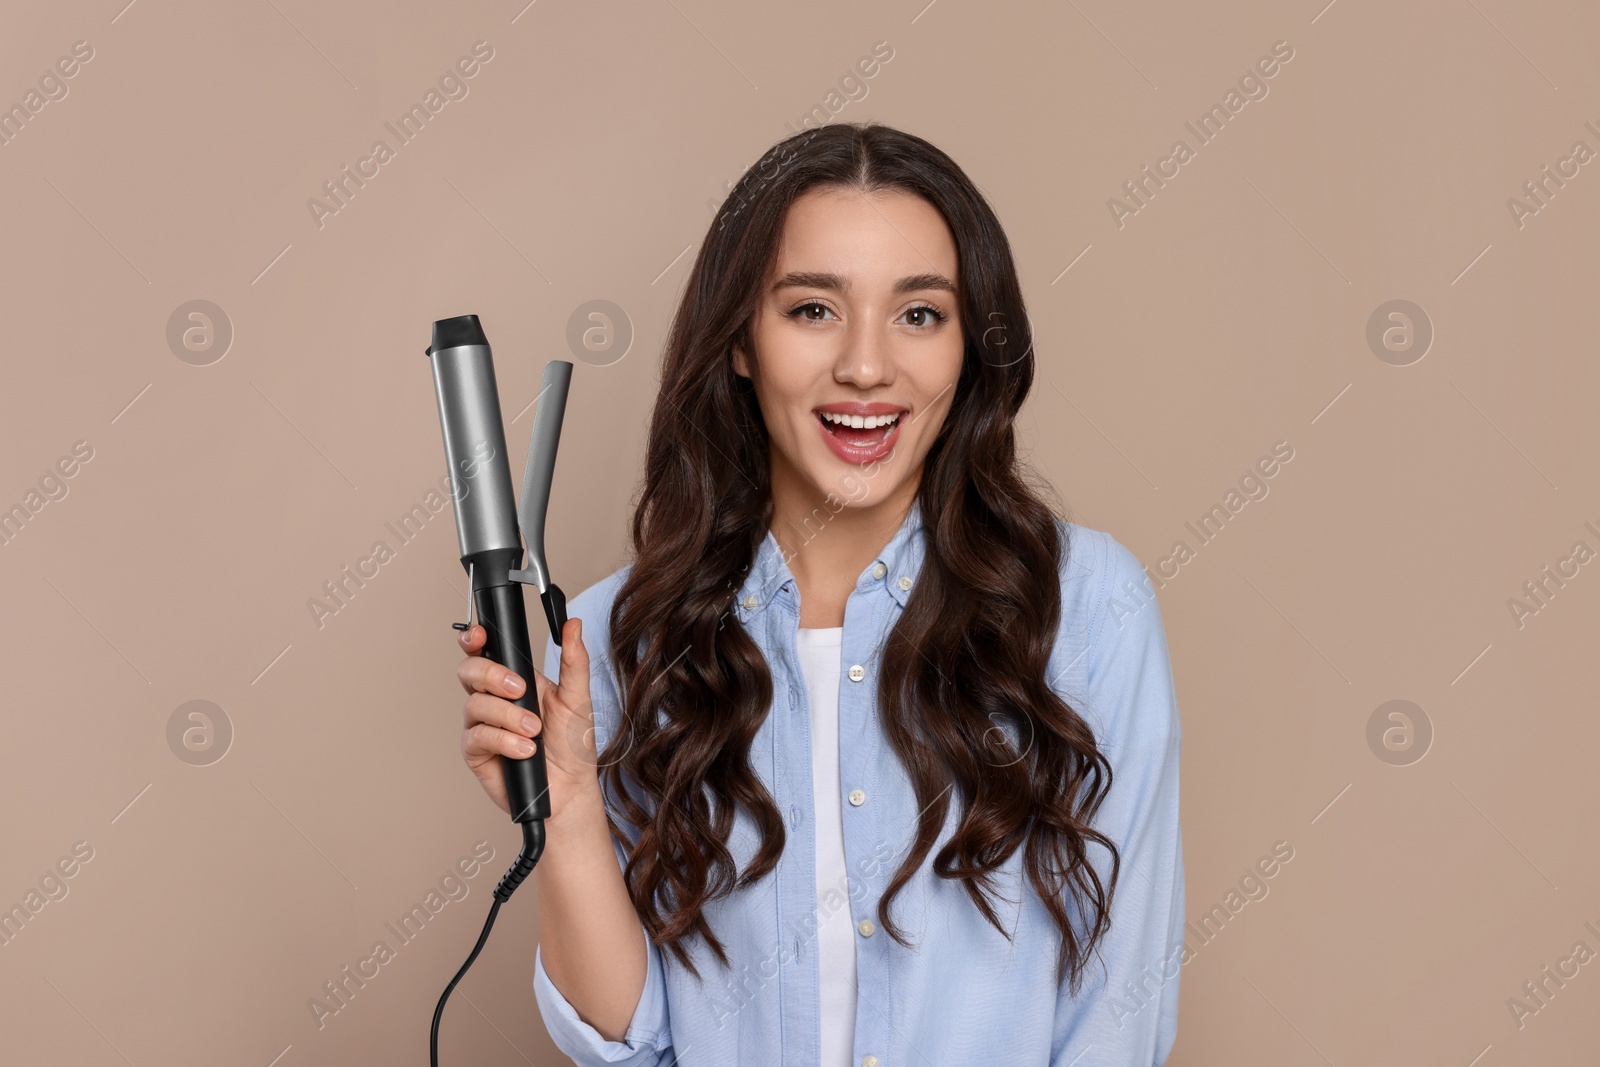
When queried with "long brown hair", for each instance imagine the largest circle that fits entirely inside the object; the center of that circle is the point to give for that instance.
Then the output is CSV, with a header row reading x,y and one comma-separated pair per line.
x,y
970,649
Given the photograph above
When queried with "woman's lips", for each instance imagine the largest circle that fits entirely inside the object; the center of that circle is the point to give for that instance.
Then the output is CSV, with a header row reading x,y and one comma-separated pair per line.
x,y
858,446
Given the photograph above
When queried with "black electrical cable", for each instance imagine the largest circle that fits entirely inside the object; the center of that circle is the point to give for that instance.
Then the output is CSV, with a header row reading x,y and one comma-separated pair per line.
x,y
532,848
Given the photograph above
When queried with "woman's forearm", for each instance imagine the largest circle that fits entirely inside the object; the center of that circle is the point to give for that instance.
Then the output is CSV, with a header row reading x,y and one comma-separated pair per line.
x,y
590,937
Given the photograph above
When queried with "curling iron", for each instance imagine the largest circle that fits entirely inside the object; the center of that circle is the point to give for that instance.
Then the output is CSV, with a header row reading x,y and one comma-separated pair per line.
x,y
487,523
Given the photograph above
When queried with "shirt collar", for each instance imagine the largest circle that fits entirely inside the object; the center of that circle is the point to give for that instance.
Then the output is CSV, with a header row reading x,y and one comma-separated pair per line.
x,y
893,572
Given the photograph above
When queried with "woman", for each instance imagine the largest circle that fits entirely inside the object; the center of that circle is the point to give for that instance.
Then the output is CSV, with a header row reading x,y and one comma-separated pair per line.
x,y
859,778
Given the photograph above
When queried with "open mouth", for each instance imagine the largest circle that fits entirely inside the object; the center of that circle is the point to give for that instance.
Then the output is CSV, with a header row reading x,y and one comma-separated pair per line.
x,y
859,431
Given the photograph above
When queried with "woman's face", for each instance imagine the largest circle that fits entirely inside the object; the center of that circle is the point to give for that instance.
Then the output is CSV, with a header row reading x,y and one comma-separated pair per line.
x,y
859,317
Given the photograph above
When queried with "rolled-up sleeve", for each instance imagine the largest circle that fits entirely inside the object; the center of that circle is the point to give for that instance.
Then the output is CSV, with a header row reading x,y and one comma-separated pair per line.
x,y
648,1039
647,1042
1127,1010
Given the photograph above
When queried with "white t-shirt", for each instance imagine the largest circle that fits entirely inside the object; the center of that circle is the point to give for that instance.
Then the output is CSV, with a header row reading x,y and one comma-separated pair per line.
x,y
836,946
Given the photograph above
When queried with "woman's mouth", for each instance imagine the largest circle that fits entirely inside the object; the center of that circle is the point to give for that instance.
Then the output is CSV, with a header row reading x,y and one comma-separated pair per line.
x,y
858,438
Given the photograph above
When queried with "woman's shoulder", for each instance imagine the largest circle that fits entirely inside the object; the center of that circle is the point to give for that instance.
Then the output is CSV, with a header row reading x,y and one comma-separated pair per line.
x,y
1104,589
1100,579
1108,608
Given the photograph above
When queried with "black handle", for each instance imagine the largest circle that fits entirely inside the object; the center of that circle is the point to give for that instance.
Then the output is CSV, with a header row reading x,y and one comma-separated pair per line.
x,y
555,610
505,619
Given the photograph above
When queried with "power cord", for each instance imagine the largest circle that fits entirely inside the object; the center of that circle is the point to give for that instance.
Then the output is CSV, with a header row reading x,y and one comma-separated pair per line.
x,y
532,848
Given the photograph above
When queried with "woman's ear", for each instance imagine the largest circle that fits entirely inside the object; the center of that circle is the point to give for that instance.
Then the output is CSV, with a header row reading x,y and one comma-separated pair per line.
x,y
741,366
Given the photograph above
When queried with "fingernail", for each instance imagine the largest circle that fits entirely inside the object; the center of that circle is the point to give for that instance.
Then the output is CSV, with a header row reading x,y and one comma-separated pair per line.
x,y
513,683
524,747
529,723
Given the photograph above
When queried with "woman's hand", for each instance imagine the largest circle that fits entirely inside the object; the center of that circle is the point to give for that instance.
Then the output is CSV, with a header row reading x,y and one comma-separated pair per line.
x,y
496,727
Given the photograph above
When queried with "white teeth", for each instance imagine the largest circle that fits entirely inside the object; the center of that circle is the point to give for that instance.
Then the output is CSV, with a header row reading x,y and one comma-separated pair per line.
x,y
860,422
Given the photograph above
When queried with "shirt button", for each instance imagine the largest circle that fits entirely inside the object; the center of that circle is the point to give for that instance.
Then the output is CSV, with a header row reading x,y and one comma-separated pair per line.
x,y
879,570
857,797
791,698
750,601
866,927
857,672
905,583
869,1061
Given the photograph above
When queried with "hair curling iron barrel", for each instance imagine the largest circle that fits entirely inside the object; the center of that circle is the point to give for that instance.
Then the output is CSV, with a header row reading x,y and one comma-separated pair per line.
x,y
487,520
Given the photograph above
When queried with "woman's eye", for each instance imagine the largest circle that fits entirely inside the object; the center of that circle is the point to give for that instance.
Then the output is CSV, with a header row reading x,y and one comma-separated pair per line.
x,y
922,316
800,312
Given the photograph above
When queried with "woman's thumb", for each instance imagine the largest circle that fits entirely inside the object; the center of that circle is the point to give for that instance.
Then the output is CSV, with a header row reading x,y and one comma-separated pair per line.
x,y
574,683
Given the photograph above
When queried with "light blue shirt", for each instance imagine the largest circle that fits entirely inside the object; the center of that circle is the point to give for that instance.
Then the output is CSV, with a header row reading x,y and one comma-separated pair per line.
x,y
964,994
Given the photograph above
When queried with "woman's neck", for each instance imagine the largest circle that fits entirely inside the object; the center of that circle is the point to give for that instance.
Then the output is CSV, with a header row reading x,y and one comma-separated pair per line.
x,y
827,549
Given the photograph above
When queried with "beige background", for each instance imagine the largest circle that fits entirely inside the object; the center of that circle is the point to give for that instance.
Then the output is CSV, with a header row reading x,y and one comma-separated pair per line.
x,y
1229,314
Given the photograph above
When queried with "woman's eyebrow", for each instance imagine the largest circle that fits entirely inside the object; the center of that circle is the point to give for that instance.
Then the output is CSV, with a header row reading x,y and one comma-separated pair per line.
x,y
800,279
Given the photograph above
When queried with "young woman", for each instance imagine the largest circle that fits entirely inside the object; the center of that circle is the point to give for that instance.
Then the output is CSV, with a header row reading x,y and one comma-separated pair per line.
x,y
874,760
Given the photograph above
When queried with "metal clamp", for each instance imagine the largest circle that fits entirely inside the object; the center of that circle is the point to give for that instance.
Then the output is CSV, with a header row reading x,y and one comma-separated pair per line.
x,y
471,604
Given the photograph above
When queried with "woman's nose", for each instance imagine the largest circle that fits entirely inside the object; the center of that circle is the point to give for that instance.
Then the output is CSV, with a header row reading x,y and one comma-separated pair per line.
x,y
864,358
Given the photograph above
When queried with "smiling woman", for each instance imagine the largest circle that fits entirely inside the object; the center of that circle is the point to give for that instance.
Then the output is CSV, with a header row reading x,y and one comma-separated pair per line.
x,y
890,321
838,786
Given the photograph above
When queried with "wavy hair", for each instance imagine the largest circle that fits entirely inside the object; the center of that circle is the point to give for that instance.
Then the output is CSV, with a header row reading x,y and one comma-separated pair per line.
x,y
967,654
